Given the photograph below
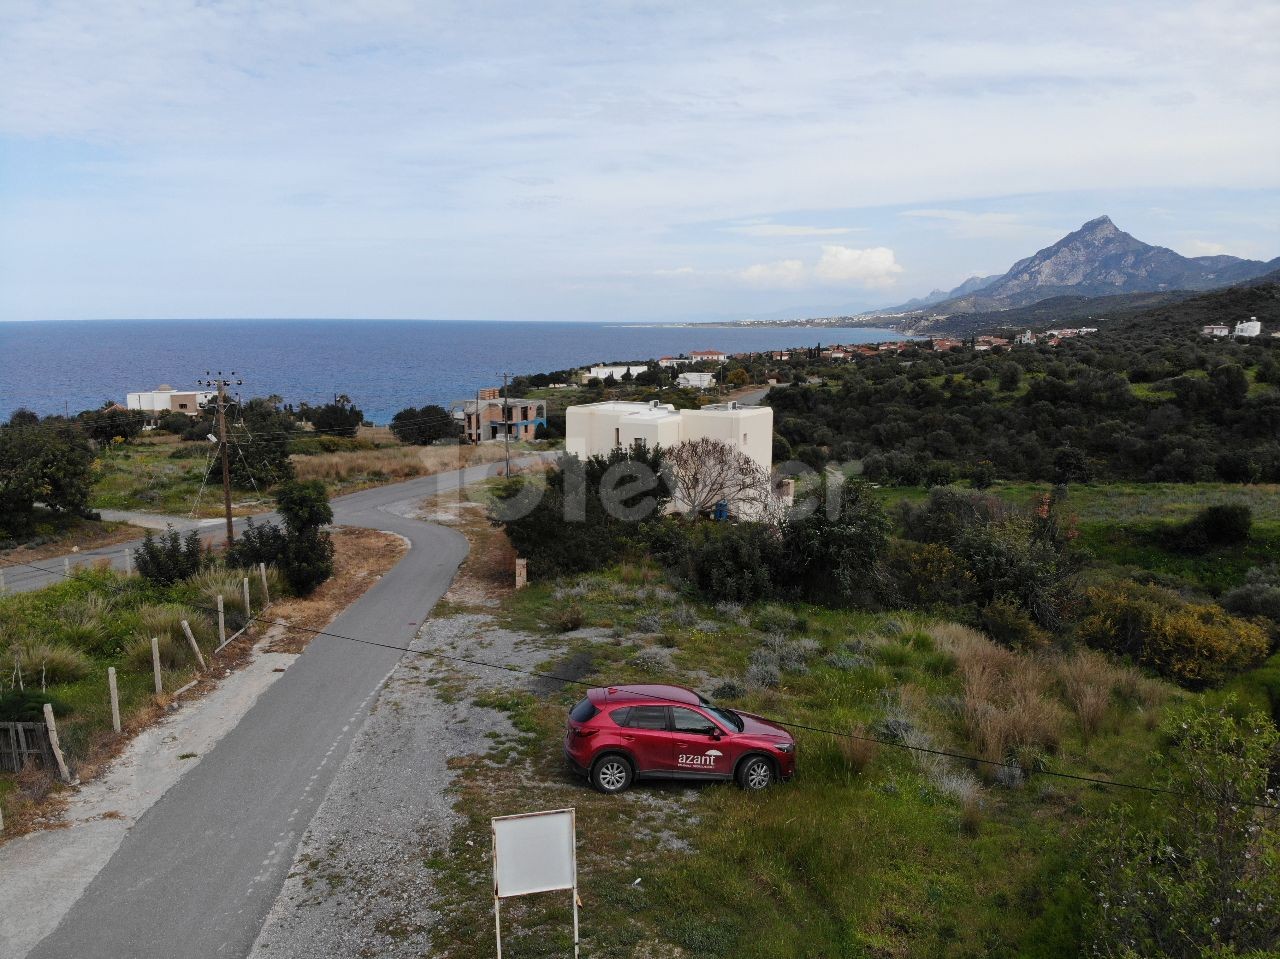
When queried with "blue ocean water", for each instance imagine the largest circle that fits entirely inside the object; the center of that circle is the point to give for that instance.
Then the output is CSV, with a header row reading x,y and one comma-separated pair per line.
x,y
383,365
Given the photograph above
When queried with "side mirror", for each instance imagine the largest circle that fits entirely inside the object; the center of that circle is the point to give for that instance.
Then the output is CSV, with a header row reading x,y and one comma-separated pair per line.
x,y
713,733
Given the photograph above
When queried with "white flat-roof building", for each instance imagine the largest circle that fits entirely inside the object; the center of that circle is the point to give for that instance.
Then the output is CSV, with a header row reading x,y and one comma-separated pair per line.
x,y
1251,327
617,371
596,429
667,362
696,381
165,399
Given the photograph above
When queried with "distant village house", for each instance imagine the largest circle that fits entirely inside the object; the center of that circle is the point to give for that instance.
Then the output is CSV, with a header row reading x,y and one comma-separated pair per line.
x,y
164,399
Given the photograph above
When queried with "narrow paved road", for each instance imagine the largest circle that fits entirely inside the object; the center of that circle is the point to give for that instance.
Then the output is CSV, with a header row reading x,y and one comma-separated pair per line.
x,y
197,874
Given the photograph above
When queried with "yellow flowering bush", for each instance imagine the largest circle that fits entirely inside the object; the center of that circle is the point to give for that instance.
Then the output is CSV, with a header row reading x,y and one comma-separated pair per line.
x,y
1195,644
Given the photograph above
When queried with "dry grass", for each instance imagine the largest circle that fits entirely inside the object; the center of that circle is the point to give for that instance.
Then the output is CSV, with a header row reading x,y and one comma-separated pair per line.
x,y
34,802
1013,704
1007,708
1088,681
361,557
858,750
392,463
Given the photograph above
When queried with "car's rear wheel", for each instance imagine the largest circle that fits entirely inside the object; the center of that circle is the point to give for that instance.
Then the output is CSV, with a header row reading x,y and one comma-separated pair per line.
x,y
611,774
756,773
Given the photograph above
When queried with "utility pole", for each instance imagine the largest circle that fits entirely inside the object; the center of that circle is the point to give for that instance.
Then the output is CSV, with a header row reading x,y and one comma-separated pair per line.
x,y
506,427
221,384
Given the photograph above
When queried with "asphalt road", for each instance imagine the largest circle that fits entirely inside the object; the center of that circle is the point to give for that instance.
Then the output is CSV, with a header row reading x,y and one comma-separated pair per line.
x,y
197,874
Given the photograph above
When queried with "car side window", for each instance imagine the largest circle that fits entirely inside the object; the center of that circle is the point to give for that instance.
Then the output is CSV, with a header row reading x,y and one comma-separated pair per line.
x,y
688,721
619,716
647,717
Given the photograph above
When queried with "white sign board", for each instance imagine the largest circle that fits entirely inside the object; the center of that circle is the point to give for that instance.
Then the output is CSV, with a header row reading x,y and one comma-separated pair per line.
x,y
534,852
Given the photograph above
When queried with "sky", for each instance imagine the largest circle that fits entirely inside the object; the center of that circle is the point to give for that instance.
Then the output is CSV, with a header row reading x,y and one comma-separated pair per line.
x,y
609,161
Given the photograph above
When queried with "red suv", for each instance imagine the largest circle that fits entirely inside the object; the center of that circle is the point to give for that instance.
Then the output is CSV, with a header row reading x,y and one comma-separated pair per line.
x,y
624,733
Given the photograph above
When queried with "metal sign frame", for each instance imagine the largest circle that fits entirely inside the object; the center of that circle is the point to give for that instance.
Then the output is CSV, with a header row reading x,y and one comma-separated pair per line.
x,y
573,886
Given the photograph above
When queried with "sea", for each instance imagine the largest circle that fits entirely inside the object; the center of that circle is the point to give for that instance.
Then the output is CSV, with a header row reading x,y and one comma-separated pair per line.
x,y
382,365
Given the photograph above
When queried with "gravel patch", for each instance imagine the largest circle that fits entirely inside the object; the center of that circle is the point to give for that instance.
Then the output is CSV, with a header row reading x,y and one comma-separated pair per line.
x,y
359,885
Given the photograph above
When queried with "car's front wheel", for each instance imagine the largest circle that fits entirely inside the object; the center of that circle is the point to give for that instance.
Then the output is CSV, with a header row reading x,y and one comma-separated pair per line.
x,y
611,774
755,773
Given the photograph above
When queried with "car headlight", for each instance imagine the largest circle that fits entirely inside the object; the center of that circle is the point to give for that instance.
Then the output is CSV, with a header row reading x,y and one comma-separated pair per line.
x,y
785,747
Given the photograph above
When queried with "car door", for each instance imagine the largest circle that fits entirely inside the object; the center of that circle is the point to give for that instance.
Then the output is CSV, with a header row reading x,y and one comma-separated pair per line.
x,y
646,734
699,747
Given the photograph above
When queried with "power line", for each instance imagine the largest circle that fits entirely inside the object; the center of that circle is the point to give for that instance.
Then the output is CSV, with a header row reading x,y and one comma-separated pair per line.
x,y
893,744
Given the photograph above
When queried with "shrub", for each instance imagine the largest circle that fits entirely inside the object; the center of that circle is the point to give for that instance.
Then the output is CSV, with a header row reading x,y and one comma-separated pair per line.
x,y
1196,872
729,689
27,706
1223,524
847,662
777,619
731,562
1195,644
651,660
1010,625
259,543
763,674
567,618
169,557
832,554
308,555
1259,596
948,512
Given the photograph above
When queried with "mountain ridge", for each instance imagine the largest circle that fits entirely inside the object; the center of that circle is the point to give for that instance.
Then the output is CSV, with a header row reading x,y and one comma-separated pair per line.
x,y
1098,260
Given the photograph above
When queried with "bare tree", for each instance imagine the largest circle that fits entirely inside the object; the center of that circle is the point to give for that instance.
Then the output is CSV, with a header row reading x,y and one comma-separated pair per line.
x,y
705,472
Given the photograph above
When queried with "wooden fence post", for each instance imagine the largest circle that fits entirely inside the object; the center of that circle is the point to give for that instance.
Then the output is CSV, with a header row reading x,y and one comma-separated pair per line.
x,y
115,698
266,590
522,573
222,623
195,647
53,743
128,563
155,664
248,615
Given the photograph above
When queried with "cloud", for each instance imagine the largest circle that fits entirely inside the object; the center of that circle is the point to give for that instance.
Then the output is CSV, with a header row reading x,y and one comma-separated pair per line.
x,y
1207,248
968,225
787,229
781,274
478,160
873,267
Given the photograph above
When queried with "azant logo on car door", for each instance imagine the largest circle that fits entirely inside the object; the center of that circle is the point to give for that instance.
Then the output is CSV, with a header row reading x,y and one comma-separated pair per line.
x,y
704,761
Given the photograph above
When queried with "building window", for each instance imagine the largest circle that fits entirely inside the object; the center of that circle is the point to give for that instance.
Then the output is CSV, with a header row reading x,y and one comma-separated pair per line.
x,y
744,439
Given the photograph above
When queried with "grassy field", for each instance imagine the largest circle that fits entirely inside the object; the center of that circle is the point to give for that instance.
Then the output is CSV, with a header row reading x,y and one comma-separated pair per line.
x,y
1122,524
163,474
872,850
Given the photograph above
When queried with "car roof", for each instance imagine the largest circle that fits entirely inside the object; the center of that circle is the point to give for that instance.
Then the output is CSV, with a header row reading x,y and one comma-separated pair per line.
x,y
642,693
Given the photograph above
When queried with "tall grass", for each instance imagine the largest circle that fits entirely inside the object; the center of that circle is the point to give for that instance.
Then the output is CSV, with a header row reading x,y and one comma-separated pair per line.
x,y
42,661
164,622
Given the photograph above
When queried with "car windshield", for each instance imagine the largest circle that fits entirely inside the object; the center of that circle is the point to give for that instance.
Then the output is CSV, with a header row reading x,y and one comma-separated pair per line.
x,y
727,717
